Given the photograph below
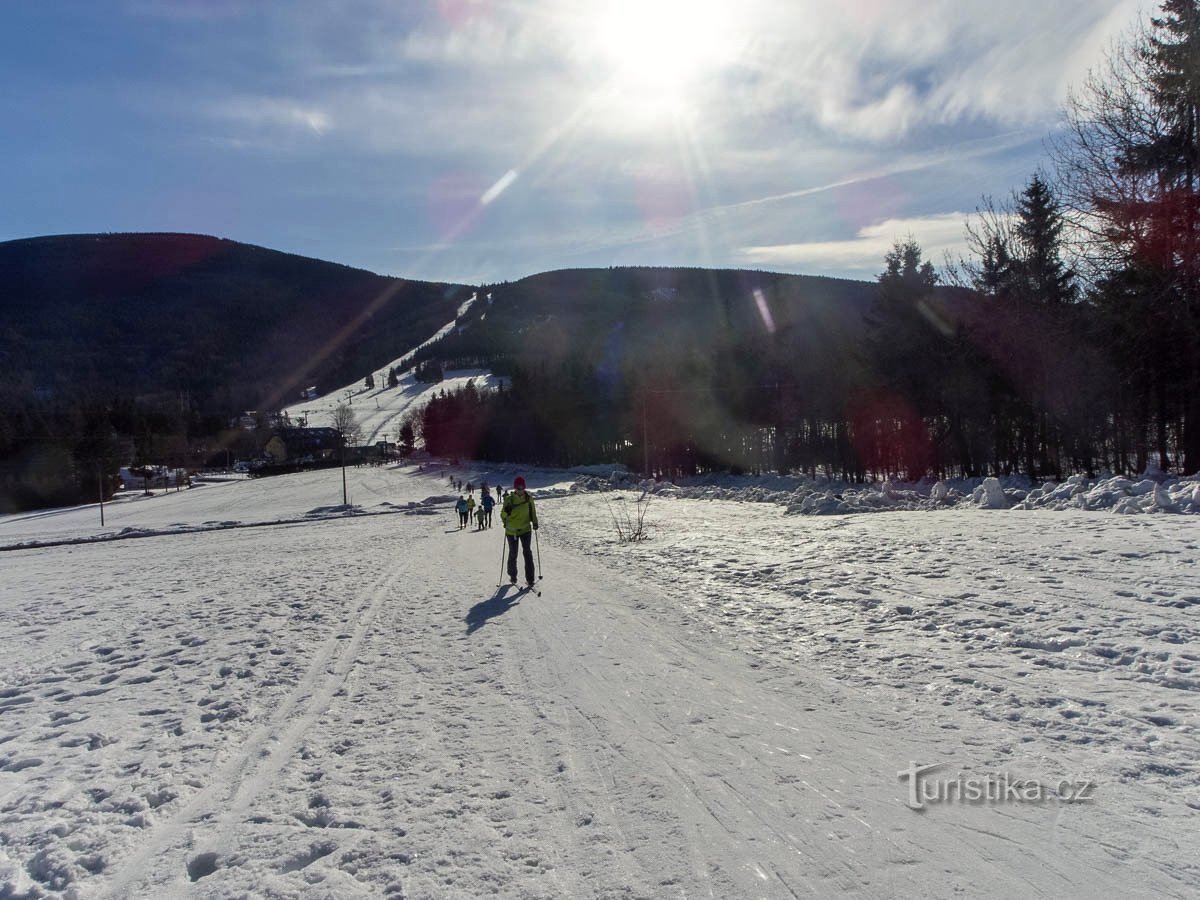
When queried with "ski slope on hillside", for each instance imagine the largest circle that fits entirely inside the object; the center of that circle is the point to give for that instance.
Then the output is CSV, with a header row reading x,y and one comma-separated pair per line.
x,y
380,411
272,694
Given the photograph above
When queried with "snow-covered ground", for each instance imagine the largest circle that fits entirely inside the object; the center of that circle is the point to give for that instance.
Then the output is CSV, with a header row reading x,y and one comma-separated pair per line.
x,y
271,694
802,495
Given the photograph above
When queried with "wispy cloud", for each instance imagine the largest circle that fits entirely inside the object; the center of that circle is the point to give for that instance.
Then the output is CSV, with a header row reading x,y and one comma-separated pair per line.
x,y
820,133
272,113
879,71
865,251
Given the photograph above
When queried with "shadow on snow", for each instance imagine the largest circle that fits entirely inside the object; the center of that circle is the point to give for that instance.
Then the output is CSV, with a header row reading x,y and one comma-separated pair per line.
x,y
496,605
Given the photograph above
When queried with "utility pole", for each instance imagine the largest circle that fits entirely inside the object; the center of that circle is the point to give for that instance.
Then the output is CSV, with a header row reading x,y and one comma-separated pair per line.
x,y
645,445
100,473
345,495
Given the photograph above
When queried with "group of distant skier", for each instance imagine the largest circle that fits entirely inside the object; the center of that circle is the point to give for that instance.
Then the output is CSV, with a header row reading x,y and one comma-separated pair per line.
x,y
518,515
480,513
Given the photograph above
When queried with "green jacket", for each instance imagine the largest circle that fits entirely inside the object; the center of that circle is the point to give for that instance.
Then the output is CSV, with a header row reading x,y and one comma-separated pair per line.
x,y
518,514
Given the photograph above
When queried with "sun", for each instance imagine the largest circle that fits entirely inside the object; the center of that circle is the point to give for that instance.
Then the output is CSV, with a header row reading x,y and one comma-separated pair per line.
x,y
656,51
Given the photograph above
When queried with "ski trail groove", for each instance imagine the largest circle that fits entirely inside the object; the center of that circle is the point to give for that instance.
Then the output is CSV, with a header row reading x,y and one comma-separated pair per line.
x,y
264,753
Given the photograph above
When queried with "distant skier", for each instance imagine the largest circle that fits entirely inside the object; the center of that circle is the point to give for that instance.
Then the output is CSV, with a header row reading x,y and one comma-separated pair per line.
x,y
462,509
519,517
486,503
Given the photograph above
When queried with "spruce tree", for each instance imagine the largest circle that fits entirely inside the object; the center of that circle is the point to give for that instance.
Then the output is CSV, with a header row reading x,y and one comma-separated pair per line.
x,y
1173,156
909,342
1038,233
1131,170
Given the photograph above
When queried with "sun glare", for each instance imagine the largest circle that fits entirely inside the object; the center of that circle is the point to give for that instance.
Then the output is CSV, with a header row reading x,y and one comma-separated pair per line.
x,y
656,50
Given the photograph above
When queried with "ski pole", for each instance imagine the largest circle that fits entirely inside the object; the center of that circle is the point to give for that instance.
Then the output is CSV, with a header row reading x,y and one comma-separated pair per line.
x,y
503,541
538,545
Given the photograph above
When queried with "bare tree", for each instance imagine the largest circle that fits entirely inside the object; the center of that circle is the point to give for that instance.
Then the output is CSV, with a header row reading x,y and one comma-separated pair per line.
x,y
989,243
1128,164
346,422
1109,114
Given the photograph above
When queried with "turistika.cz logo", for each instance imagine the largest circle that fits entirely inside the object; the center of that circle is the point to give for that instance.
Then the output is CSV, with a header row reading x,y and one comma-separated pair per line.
x,y
995,788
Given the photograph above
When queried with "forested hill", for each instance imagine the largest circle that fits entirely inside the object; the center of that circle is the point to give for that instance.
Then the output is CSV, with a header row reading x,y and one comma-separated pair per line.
x,y
674,319
232,325
141,348
707,367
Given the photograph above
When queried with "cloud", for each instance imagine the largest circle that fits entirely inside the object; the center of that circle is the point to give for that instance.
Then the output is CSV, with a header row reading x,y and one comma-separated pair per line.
x,y
937,235
822,124
873,74
876,71
272,113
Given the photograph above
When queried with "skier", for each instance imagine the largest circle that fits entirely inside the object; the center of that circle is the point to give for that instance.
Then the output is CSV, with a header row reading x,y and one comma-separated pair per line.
x,y
486,502
519,517
480,518
470,508
461,508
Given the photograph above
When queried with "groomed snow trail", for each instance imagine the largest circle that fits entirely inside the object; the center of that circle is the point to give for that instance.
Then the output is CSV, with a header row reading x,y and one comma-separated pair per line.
x,y
349,707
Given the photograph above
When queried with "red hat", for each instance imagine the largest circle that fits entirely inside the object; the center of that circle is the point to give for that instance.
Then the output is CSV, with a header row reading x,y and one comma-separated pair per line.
x,y
519,483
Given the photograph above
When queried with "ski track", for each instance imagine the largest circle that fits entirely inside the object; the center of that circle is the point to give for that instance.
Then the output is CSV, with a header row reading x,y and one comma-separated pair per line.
x,y
348,707
253,768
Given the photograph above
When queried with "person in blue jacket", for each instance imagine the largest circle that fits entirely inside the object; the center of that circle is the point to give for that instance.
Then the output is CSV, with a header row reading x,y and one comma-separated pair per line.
x,y
487,501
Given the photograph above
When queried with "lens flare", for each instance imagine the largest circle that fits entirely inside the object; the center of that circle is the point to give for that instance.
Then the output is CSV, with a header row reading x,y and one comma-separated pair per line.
x,y
656,50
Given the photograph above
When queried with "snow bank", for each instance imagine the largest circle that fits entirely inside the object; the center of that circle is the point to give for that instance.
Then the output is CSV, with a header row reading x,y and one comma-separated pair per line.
x,y
801,495
990,495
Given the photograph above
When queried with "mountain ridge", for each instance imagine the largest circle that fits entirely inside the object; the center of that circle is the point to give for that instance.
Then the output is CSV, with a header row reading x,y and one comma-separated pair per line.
x,y
202,314
144,346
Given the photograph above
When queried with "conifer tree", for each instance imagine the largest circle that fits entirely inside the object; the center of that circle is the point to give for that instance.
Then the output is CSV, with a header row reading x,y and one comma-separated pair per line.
x,y
1038,233
1131,170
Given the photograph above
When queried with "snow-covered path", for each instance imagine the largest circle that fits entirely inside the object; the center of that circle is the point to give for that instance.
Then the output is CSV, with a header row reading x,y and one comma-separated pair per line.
x,y
346,706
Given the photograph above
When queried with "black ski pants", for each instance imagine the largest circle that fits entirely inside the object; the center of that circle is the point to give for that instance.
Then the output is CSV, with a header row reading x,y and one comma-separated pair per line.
x,y
526,542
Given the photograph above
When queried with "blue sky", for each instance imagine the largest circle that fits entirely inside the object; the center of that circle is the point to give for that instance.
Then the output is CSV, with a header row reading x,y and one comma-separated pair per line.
x,y
485,140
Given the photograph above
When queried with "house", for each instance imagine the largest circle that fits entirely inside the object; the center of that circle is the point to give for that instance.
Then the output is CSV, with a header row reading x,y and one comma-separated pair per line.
x,y
303,445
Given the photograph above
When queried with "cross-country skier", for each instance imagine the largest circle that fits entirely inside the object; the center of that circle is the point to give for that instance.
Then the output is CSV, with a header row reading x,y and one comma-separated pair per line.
x,y
462,510
486,502
519,518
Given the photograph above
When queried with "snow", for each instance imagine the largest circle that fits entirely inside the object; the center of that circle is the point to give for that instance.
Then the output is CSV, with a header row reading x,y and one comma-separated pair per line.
x,y
802,495
381,410
271,693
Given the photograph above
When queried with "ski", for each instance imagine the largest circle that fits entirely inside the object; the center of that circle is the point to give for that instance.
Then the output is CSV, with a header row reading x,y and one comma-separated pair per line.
x,y
521,589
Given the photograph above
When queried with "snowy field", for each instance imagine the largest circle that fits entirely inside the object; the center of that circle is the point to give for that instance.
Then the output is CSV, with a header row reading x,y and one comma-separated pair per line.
x,y
249,689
